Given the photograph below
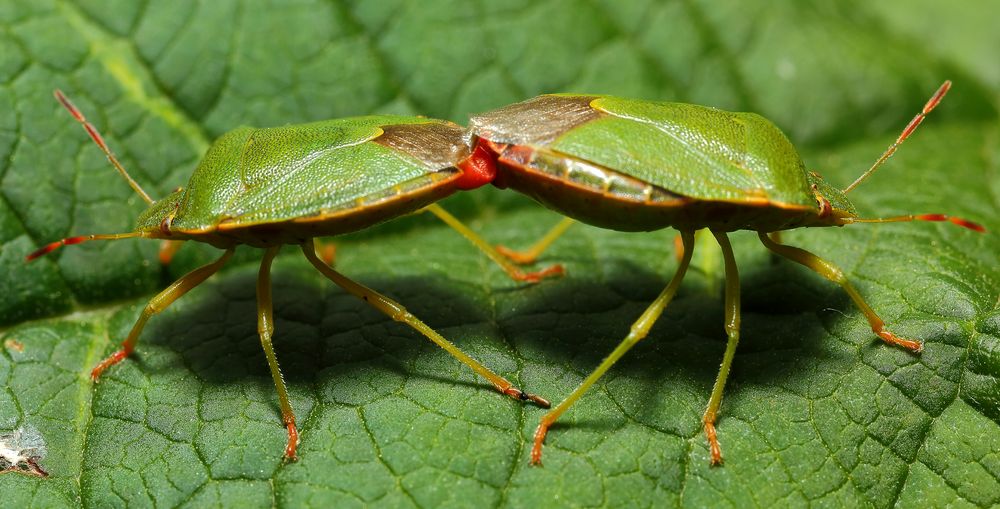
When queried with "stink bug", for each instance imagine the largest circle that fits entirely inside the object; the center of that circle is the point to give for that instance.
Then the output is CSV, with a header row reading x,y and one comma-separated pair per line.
x,y
634,165
270,187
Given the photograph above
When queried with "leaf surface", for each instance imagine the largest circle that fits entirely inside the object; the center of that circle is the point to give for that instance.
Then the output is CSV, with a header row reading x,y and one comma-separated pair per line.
x,y
816,410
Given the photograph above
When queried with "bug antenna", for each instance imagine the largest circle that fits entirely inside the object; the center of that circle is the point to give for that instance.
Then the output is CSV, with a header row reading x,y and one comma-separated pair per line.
x,y
96,136
69,241
964,223
912,126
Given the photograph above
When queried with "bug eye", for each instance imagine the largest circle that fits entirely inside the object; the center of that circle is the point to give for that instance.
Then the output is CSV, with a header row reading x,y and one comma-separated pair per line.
x,y
165,225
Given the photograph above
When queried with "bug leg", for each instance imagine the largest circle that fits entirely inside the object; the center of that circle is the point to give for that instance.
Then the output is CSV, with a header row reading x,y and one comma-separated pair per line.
x,y
833,273
532,253
397,312
159,303
637,332
326,251
265,328
168,248
711,261
678,248
512,270
733,333
776,238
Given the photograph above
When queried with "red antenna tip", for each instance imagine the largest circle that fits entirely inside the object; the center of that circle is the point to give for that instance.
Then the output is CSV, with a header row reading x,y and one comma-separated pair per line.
x,y
52,246
912,126
41,252
964,223
99,140
68,105
69,241
976,227
936,98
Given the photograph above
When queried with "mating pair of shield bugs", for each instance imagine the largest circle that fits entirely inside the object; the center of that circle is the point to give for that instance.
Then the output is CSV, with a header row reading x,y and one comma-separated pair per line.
x,y
623,164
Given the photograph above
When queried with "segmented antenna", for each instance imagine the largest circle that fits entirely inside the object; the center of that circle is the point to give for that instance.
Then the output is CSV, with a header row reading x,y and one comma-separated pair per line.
x,y
69,241
912,126
96,136
964,223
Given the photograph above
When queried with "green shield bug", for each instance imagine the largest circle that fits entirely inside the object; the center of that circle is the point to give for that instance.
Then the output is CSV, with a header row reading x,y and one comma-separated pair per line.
x,y
285,185
635,165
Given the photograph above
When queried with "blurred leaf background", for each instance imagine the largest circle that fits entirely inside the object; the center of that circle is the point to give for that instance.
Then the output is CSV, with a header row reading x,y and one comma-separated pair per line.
x,y
816,410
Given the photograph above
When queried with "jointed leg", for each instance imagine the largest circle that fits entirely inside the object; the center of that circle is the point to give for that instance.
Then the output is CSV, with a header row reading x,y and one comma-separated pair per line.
x,y
265,328
776,237
678,248
532,254
398,313
733,332
833,273
159,303
512,270
326,250
638,331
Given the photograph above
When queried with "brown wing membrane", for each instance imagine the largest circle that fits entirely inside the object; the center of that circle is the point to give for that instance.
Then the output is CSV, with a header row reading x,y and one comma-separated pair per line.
x,y
436,144
535,121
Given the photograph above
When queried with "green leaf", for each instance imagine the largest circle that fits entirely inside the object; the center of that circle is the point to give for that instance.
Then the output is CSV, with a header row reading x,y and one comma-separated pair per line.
x,y
816,409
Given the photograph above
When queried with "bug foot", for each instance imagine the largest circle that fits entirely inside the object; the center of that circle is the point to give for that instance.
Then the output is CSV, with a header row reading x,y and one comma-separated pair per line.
x,y
892,339
534,277
536,448
713,443
518,257
520,395
293,441
678,248
113,359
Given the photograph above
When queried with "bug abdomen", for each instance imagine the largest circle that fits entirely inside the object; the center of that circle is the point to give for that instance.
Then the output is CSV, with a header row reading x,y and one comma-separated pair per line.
x,y
602,197
377,207
585,174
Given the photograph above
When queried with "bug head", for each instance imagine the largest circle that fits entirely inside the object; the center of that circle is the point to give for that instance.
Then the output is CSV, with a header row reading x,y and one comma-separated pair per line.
x,y
834,206
156,219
